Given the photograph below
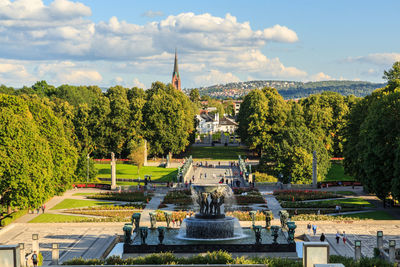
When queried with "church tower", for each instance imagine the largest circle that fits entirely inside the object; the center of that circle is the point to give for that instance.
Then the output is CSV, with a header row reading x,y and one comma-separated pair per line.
x,y
176,80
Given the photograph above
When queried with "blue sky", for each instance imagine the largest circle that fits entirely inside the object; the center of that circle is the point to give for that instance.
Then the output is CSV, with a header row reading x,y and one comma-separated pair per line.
x,y
132,42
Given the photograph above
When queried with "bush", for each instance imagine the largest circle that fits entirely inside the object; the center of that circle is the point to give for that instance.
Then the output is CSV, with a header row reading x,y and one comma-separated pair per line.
x,y
264,178
176,215
182,197
12,217
313,217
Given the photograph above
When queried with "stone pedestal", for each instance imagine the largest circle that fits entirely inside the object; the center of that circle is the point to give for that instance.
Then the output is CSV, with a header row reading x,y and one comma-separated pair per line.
x,y
379,240
22,254
392,251
113,172
357,250
54,254
35,243
314,169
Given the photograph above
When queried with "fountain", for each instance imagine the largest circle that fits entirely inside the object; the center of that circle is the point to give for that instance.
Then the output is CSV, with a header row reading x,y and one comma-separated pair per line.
x,y
209,230
210,224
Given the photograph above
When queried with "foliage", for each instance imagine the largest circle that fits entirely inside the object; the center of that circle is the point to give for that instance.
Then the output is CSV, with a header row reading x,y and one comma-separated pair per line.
x,y
336,173
245,216
60,218
81,172
12,217
178,197
169,119
37,159
363,262
372,146
301,195
373,215
137,153
264,177
176,215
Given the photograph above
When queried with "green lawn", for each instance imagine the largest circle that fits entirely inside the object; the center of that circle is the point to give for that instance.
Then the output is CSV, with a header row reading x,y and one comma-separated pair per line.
x,y
374,215
78,203
130,171
58,218
336,173
349,201
216,152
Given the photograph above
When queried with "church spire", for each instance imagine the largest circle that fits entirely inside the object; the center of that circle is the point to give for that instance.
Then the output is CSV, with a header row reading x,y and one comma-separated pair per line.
x,y
176,79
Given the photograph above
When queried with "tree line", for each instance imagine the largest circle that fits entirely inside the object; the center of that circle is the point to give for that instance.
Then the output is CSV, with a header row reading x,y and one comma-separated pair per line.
x,y
285,133
47,133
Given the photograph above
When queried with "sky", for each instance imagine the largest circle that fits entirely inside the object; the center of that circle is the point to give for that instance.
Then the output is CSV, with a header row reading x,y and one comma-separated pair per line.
x,y
132,43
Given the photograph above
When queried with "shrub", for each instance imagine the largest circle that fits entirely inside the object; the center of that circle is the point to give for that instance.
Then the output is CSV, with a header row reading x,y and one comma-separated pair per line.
x,y
264,178
12,217
245,216
132,196
178,197
313,217
301,195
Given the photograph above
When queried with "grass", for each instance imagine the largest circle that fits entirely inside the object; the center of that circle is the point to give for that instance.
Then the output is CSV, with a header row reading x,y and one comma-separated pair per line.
x,y
130,171
216,152
336,173
349,201
78,203
373,215
58,218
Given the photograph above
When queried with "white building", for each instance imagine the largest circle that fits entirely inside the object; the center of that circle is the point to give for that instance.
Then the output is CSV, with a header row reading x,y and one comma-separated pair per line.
x,y
208,124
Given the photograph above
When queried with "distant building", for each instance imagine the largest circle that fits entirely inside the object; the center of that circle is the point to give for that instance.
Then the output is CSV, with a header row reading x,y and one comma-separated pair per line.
x,y
176,79
237,106
208,124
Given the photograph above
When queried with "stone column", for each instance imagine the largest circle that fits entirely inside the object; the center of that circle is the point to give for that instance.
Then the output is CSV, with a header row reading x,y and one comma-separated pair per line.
x,y
314,169
145,153
357,250
113,172
54,254
379,240
35,243
22,254
392,251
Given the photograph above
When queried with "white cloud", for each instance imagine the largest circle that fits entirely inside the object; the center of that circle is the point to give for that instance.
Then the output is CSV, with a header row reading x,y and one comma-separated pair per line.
x,y
280,34
137,83
377,59
320,76
216,77
153,14
62,35
13,73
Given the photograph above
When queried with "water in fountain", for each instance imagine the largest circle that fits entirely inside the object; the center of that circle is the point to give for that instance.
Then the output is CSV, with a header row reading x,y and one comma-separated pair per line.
x,y
211,224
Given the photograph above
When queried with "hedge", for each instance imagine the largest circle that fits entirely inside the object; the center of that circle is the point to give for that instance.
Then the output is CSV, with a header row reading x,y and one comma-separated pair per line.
x,y
12,217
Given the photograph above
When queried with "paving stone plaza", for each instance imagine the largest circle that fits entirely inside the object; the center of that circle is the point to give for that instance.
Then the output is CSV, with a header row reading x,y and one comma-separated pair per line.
x,y
92,240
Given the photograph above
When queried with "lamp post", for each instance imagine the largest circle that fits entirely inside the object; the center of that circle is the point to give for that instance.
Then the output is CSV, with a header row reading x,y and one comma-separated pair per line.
x,y
87,178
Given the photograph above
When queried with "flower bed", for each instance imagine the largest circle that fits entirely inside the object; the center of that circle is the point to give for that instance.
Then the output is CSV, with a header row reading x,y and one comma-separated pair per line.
x,y
130,196
123,214
300,195
306,217
176,215
245,196
332,205
245,216
182,196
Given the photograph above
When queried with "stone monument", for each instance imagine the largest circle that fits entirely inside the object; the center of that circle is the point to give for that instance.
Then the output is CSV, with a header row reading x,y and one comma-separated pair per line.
x,y
145,153
314,169
113,172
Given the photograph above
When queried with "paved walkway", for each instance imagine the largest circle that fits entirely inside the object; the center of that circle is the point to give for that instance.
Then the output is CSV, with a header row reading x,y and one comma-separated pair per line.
x,y
150,207
273,204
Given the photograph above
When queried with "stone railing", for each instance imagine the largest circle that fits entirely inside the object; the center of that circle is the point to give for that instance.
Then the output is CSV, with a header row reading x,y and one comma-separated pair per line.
x,y
185,170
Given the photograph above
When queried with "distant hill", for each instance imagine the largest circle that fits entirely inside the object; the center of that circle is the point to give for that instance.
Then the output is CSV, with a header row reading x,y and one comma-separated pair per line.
x,y
290,89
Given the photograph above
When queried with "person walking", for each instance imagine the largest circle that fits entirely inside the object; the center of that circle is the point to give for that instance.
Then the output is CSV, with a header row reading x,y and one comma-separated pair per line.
x,y
344,238
337,237
43,208
309,228
322,238
314,228
34,259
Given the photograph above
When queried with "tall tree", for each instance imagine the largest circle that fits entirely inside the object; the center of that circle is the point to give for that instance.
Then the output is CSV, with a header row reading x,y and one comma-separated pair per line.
x,y
169,119
136,154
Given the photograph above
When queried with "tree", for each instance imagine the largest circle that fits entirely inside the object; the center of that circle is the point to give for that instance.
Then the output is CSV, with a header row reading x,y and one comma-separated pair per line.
x,y
262,115
291,156
168,120
194,95
393,75
137,153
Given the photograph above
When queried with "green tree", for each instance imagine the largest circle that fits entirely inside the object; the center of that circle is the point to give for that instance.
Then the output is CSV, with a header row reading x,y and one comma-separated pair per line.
x,y
136,154
194,95
168,119
393,75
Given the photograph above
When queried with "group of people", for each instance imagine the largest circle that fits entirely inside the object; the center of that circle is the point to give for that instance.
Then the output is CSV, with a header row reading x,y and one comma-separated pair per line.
x,y
323,237
43,207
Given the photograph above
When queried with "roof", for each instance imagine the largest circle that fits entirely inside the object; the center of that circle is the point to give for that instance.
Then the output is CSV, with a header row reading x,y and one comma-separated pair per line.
x,y
206,117
226,121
